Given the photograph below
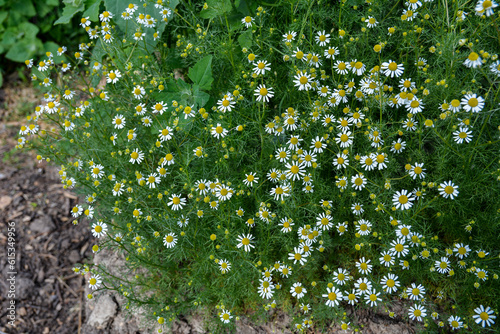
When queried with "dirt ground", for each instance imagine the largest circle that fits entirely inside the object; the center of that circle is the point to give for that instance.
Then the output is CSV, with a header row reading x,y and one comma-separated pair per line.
x,y
50,297
48,294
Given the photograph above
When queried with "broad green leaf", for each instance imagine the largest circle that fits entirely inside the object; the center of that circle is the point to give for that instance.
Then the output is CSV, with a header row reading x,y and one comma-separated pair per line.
x,y
92,10
201,73
1,79
22,50
68,13
216,8
3,16
29,29
52,2
200,97
25,7
245,39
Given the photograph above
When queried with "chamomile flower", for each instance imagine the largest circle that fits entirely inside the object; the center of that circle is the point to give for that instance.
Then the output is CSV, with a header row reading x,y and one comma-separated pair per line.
x,y
105,16
495,68
372,297
176,202
153,180
324,221
415,106
473,60
362,285
95,282
297,290
484,316
250,179
371,22
364,265
485,7
138,92
415,292
358,181
247,21
224,266
341,161
218,131
99,229
119,122
294,170
417,312
303,81
392,69
159,107
390,283
225,316
322,38
417,170
318,145
264,93
226,104
165,134
280,191
261,67
170,240
265,289
363,227
351,297
386,258
406,85
368,162
331,52
245,241
341,228
334,296
341,67
357,208
443,265
97,171
286,224
114,76
399,248
461,250
289,37
298,255
455,322
448,189
472,103
76,211
403,199
136,156
341,276
344,139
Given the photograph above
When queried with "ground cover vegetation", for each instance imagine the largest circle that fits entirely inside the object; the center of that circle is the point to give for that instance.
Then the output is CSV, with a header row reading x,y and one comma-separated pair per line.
x,y
303,155
30,28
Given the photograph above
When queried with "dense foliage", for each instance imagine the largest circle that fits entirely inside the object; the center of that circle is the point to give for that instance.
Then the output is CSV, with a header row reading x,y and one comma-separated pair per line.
x,y
306,155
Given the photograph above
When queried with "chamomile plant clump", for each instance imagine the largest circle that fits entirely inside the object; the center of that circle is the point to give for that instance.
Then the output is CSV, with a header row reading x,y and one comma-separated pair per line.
x,y
311,156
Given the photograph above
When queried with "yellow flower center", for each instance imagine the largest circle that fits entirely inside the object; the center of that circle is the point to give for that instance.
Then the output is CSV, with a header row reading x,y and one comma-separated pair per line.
x,y
303,80
176,200
473,102
393,66
449,190
473,56
263,91
403,199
